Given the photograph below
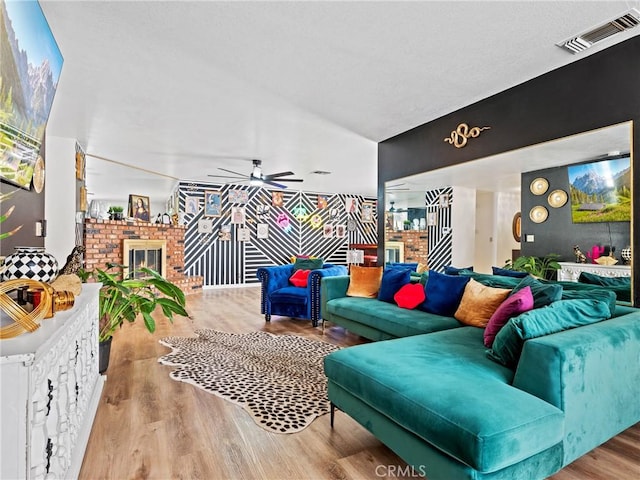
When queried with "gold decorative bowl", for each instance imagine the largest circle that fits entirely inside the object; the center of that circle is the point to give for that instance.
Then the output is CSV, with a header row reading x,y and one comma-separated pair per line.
x,y
606,260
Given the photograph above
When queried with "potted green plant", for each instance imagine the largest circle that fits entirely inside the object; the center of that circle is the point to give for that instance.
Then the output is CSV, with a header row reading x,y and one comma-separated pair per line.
x,y
543,267
407,225
116,213
126,298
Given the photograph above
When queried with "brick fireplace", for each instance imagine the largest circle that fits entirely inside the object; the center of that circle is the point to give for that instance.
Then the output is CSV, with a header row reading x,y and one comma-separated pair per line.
x,y
105,242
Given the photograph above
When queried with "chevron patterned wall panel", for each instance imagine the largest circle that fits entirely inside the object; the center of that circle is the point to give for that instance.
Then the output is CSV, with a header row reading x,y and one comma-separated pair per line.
x,y
299,226
438,203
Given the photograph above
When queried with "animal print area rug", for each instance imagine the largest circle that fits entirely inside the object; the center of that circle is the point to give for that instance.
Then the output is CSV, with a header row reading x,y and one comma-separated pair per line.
x,y
278,379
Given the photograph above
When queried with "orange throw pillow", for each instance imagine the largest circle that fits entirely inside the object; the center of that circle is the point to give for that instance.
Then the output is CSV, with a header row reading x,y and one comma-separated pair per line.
x,y
364,281
479,302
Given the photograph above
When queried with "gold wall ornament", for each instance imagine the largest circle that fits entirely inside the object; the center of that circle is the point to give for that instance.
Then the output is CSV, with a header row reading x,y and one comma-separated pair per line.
x,y
461,135
23,321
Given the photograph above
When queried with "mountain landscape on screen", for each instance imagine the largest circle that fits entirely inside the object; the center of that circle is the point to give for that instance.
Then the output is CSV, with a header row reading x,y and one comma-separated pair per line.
x,y
601,191
29,70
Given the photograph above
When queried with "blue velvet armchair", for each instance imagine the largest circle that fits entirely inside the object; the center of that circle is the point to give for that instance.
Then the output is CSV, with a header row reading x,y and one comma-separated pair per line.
x,y
279,297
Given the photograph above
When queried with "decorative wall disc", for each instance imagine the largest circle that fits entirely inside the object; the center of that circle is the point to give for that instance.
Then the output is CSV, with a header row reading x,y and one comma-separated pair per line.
x,y
539,186
557,198
538,214
38,175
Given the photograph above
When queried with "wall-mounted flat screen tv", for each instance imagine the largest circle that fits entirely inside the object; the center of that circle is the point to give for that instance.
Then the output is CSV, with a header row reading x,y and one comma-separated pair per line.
x,y
30,65
601,190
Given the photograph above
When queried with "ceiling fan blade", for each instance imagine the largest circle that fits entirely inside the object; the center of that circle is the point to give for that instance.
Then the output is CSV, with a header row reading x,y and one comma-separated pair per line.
x,y
274,184
235,173
226,176
286,179
281,174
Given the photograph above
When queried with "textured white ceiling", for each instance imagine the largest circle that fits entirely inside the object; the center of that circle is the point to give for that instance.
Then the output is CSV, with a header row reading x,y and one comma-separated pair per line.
x,y
182,88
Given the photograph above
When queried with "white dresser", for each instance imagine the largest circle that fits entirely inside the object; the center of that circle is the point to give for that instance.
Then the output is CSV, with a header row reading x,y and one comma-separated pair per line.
x,y
49,393
570,271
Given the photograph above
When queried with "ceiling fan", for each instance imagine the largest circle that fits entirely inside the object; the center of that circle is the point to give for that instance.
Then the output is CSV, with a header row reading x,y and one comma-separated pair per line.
x,y
256,178
393,209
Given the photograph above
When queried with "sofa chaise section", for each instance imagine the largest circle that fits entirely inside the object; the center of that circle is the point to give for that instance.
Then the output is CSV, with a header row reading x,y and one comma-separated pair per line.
x,y
443,390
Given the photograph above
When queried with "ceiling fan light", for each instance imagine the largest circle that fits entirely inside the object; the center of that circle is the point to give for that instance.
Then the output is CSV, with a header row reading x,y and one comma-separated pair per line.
x,y
255,181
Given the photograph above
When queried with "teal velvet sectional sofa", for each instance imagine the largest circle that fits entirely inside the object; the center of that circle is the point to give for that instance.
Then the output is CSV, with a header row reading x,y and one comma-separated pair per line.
x,y
432,395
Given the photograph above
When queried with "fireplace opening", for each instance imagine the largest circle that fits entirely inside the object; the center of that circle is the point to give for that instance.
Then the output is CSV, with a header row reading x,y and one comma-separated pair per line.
x,y
138,254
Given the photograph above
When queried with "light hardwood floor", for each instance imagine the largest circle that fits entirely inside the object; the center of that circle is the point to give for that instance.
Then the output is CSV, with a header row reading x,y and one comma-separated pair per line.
x,y
149,426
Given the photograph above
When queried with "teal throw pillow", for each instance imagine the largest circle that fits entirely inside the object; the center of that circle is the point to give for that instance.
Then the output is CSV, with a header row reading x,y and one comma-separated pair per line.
x,y
560,315
543,293
592,294
593,279
443,293
496,281
393,279
308,264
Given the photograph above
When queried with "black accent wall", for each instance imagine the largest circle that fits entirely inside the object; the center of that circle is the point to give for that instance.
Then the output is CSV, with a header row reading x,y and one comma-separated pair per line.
x,y
592,92
29,209
558,234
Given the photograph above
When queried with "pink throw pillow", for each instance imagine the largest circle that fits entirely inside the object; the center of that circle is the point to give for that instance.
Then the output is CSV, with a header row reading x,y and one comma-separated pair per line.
x,y
410,296
519,302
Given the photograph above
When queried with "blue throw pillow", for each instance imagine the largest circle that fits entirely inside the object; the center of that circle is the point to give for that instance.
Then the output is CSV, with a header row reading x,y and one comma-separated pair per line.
x,y
392,280
451,270
543,293
559,316
505,272
411,266
443,293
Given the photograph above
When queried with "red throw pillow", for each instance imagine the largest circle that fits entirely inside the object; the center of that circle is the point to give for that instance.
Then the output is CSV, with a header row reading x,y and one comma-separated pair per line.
x,y
300,278
410,296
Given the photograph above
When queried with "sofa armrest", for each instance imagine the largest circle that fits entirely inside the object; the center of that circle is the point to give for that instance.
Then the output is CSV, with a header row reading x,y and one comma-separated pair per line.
x,y
592,374
272,279
333,287
316,278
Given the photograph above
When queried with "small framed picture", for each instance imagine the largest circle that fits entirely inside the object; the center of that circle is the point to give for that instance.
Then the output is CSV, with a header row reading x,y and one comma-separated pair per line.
x,y
323,202
444,200
225,233
238,196
432,219
238,215
139,208
243,234
277,199
350,205
205,225
327,230
262,230
341,231
80,159
367,212
212,204
192,205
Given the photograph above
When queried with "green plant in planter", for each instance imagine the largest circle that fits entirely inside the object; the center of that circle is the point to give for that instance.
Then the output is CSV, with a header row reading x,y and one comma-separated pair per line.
x,y
115,212
543,267
125,299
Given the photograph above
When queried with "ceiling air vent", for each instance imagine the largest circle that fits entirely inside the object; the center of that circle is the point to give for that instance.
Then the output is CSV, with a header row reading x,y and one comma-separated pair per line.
x,y
596,34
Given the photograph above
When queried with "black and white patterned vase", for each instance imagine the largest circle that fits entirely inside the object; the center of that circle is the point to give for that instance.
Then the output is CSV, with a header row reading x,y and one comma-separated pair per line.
x,y
32,263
